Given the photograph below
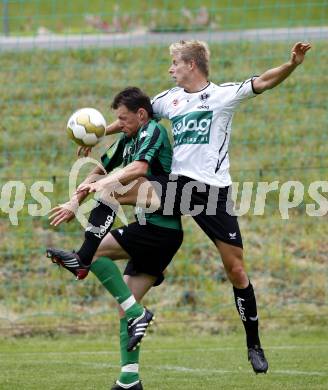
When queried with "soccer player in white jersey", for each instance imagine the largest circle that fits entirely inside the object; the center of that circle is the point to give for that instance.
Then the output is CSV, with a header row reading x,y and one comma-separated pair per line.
x,y
201,116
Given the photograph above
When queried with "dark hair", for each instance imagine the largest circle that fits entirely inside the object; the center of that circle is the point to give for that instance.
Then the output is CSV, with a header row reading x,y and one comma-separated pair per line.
x,y
133,99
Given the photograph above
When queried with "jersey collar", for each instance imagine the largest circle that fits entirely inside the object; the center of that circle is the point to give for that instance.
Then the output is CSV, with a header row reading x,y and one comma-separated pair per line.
x,y
203,89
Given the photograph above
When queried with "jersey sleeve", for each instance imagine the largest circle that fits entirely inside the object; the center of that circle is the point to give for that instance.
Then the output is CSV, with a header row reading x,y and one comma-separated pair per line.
x,y
237,92
149,143
159,103
113,157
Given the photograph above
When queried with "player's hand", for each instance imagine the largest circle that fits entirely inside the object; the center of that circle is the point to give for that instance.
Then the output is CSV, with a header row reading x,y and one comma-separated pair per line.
x,y
298,52
84,151
90,187
83,188
63,213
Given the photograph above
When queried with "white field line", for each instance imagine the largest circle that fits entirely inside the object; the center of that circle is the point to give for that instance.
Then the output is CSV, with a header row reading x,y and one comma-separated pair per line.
x,y
158,350
197,371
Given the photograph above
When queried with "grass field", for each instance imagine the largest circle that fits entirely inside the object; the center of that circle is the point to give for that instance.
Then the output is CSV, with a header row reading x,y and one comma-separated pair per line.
x,y
298,361
68,17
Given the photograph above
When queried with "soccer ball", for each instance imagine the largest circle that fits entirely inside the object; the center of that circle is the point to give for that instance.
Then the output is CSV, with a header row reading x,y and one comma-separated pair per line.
x,y
86,126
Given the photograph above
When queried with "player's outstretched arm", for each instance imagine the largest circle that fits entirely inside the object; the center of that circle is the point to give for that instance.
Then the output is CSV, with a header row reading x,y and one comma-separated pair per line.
x,y
113,128
66,212
272,77
123,176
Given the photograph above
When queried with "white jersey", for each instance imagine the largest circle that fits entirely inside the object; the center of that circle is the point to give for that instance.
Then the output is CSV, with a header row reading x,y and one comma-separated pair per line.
x,y
201,126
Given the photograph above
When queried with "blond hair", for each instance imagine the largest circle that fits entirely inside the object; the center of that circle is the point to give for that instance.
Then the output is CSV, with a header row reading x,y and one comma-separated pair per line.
x,y
197,51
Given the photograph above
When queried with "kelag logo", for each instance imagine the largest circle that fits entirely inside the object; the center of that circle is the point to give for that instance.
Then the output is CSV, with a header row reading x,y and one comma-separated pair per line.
x,y
192,128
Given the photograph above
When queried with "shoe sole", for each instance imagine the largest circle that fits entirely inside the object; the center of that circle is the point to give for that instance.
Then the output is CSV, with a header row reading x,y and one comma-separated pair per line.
x,y
261,372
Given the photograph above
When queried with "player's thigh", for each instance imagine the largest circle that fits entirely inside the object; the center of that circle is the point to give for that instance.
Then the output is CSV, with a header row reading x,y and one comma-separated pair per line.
x,y
109,247
140,284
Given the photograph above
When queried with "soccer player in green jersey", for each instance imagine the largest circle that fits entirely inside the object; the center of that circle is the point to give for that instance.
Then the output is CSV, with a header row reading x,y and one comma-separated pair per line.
x,y
141,149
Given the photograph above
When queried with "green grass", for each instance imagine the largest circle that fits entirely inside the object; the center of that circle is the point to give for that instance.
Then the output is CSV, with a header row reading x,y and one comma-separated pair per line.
x,y
26,17
298,361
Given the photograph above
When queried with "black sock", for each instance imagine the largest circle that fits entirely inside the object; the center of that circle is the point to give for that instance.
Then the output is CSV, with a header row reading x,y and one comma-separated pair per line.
x,y
246,307
101,220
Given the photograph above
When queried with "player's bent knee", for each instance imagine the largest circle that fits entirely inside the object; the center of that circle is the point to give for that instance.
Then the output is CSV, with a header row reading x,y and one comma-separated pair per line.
x,y
238,276
236,271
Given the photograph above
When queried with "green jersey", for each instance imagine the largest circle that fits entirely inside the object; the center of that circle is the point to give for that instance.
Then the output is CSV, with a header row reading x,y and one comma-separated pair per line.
x,y
150,144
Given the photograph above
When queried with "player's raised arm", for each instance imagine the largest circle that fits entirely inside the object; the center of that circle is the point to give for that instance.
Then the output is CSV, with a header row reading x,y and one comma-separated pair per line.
x,y
272,77
113,128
